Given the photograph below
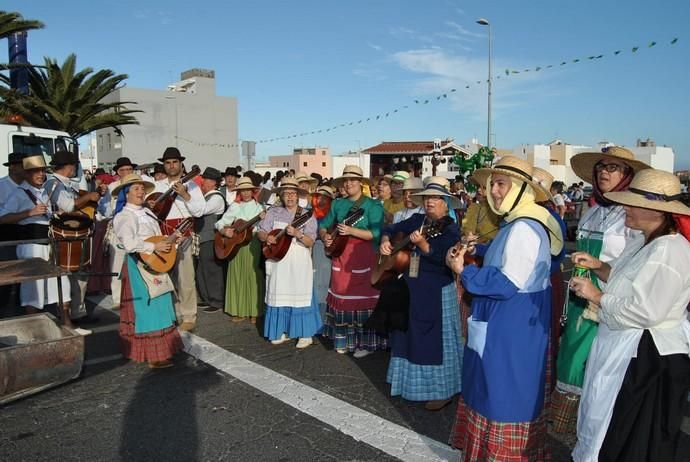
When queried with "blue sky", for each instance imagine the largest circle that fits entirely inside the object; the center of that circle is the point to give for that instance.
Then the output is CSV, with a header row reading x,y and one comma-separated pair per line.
x,y
304,65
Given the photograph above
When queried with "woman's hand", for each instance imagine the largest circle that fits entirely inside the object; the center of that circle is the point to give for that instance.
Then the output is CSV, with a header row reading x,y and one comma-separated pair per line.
x,y
292,231
417,238
327,240
344,230
385,248
584,288
585,260
271,239
455,258
162,246
228,231
469,240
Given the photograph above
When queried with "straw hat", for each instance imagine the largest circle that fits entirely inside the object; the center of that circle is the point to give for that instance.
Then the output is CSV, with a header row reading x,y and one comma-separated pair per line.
x,y
652,189
130,179
413,184
351,172
514,167
325,190
543,178
302,176
289,183
436,186
34,162
584,162
244,183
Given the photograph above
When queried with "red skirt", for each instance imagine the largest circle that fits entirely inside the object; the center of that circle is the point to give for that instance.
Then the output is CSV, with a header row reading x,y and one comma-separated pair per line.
x,y
151,346
482,439
100,261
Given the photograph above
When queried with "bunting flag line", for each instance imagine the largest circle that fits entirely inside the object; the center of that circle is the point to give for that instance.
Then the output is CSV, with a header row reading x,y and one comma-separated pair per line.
x,y
420,102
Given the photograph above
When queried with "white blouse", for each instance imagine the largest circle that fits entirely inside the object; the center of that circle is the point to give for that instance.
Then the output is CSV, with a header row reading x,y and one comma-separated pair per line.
x,y
649,288
133,225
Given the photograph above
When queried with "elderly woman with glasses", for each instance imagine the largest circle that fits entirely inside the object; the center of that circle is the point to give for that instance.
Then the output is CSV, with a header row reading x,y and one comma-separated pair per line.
x,y
602,233
638,371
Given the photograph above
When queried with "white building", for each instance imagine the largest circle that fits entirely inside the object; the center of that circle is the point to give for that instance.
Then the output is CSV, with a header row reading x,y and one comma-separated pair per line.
x,y
188,115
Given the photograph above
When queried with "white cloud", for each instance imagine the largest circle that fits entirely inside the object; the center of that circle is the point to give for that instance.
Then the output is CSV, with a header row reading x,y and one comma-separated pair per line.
x,y
462,31
375,47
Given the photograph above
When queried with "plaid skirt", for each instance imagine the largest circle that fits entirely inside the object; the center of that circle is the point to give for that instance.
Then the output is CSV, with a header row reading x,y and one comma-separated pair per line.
x,y
482,439
417,382
346,329
563,412
151,346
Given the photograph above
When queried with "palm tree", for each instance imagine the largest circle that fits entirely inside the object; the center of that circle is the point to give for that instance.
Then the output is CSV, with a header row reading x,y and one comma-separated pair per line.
x,y
60,98
11,23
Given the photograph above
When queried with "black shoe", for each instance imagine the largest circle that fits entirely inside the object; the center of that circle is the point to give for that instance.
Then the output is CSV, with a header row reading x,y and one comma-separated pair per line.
x,y
201,304
211,309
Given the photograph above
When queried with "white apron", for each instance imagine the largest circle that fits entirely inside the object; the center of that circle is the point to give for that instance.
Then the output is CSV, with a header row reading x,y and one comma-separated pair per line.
x,y
290,281
44,291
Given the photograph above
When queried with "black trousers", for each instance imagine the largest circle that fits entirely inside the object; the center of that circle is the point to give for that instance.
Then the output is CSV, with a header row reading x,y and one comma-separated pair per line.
x,y
646,420
210,279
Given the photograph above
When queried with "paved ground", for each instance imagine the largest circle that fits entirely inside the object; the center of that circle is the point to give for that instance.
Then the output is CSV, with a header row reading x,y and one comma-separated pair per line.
x,y
123,411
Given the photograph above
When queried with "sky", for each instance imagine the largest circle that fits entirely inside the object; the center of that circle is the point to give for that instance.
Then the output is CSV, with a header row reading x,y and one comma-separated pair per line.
x,y
302,66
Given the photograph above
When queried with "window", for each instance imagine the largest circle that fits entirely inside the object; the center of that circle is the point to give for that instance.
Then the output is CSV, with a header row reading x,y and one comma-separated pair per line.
x,y
110,144
323,153
323,164
304,163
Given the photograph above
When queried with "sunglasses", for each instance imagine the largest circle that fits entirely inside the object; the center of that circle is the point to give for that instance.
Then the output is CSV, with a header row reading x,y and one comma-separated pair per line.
x,y
610,167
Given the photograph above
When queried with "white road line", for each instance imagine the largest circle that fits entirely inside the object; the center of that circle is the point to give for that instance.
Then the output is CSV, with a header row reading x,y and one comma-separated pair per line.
x,y
364,426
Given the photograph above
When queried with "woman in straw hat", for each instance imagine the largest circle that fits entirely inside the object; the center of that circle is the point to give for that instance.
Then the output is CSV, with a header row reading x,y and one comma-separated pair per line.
x,y
29,207
291,310
638,372
426,359
504,362
244,288
602,233
351,298
147,321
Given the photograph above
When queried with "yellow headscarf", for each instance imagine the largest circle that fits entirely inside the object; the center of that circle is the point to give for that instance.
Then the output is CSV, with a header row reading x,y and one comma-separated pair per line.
x,y
526,208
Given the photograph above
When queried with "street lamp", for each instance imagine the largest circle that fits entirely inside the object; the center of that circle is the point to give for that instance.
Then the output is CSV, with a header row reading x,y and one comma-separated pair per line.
x,y
484,22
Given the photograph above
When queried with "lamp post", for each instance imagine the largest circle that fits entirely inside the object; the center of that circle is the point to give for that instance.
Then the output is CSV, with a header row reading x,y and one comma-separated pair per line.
x,y
484,22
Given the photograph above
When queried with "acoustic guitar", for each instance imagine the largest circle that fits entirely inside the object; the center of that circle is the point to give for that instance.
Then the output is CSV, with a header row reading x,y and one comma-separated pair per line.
x,y
227,247
277,251
339,241
88,209
163,201
162,262
390,266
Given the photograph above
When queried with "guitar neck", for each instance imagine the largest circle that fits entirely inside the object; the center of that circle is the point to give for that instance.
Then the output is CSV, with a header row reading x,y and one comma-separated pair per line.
x,y
249,223
182,180
401,245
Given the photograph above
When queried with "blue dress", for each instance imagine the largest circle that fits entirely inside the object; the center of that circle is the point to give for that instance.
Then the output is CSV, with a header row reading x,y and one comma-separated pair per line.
x,y
505,356
426,360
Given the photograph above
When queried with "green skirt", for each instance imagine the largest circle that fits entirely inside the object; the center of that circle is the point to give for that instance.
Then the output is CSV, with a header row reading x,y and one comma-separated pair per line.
x,y
244,291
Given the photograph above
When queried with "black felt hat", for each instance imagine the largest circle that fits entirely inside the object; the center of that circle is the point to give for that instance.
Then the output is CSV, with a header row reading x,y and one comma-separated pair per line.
x,y
14,158
158,168
211,174
232,171
122,162
63,158
171,153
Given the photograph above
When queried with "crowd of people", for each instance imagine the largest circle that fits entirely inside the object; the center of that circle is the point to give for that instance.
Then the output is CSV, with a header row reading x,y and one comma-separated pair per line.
x,y
466,291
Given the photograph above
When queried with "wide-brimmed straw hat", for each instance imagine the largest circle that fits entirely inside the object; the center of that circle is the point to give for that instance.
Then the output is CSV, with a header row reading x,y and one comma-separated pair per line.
x,y
413,184
31,162
302,176
244,183
437,186
133,178
289,183
325,190
544,179
584,162
514,167
652,189
351,172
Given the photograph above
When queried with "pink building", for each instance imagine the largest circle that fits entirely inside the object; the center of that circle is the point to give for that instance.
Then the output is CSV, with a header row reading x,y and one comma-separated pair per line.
x,y
309,160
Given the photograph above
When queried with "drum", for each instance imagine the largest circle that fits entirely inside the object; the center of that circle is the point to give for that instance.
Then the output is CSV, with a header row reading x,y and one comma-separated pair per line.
x,y
71,236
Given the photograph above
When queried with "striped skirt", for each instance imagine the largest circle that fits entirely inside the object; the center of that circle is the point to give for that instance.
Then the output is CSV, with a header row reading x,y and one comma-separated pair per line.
x,y
417,382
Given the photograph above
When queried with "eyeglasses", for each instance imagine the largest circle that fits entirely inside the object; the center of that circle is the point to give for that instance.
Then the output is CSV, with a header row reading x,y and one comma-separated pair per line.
x,y
610,167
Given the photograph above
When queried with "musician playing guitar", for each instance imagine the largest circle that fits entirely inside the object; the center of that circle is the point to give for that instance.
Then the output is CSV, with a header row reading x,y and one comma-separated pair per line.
x,y
244,288
351,298
290,312
66,199
147,320
189,202
425,358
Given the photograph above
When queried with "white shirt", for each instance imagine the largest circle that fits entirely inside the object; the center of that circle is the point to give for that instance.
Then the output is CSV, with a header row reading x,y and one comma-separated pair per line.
x,y
133,225
230,196
649,288
61,192
19,202
214,203
406,213
559,200
181,209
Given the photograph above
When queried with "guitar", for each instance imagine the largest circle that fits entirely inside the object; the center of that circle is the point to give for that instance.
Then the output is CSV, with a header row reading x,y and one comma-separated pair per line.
x,y
162,262
339,241
88,209
283,240
164,201
390,266
227,247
